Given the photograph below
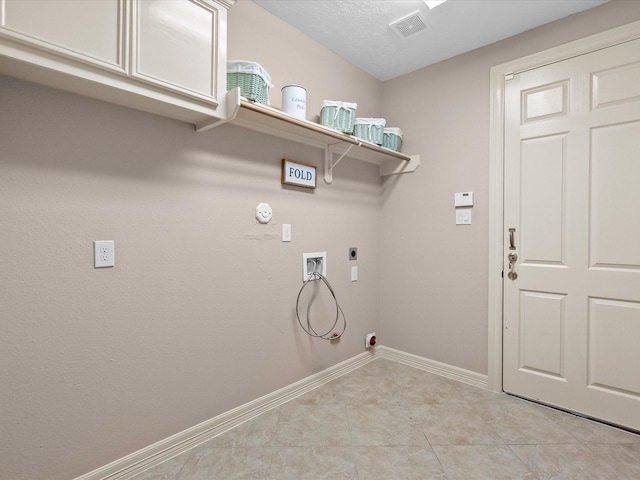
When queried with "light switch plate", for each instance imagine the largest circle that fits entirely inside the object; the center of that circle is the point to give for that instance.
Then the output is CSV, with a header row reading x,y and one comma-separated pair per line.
x,y
463,216
286,232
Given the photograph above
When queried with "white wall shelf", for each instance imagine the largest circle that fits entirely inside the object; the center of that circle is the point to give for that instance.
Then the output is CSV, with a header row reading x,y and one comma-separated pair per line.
x,y
269,120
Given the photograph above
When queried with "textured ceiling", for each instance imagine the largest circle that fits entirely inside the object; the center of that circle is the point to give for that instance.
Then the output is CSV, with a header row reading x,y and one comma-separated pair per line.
x,y
358,30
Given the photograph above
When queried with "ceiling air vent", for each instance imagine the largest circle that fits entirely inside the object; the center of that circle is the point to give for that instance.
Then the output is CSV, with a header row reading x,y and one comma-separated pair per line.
x,y
409,25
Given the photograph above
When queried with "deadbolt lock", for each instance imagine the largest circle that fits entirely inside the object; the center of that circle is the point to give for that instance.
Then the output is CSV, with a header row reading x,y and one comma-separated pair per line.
x,y
513,257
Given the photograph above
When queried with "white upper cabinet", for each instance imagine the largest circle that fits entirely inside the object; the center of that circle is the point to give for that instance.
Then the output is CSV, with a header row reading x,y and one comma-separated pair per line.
x,y
85,31
175,45
163,56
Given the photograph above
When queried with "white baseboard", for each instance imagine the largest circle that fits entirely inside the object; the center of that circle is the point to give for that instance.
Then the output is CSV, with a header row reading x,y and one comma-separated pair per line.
x,y
438,368
137,462
143,459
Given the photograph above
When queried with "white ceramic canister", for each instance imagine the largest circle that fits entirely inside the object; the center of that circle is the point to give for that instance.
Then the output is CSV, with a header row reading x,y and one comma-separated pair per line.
x,y
294,101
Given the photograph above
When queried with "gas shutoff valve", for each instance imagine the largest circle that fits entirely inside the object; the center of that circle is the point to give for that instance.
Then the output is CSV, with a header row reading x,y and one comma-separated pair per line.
x,y
370,340
263,213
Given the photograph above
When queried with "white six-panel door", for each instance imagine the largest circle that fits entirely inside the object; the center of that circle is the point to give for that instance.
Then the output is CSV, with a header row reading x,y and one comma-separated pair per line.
x,y
571,333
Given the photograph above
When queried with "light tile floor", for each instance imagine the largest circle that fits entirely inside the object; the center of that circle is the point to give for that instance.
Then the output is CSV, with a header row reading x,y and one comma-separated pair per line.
x,y
389,421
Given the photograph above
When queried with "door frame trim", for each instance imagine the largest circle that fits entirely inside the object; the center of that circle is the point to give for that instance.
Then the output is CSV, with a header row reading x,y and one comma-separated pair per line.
x,y
498,73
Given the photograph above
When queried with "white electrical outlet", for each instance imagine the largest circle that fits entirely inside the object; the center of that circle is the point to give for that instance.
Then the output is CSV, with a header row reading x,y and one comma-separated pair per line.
x,y
314,262
104,253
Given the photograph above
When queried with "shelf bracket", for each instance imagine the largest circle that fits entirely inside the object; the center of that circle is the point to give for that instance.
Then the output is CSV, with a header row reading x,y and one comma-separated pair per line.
x,y
329,164
232,104
395,167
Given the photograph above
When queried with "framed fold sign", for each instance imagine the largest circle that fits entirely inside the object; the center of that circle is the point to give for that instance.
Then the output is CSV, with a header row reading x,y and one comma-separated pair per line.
x,y
298,174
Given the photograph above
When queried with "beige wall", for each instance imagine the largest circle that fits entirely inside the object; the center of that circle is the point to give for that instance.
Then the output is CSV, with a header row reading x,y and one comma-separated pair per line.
x,y
198,316
292,58
434,274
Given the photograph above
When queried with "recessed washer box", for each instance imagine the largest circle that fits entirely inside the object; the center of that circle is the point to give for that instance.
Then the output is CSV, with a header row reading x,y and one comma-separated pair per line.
x,y
314,261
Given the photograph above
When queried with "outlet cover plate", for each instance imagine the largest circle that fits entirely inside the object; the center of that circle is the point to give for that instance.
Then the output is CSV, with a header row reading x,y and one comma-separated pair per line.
x,y
104,253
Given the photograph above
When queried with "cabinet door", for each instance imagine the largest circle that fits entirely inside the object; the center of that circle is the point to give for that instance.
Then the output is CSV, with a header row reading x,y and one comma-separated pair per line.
x,y
175,44
89,32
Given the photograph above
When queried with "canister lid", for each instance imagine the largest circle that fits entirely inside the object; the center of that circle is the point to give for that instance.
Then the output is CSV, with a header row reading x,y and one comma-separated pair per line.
x,y
294,85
